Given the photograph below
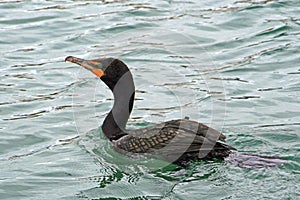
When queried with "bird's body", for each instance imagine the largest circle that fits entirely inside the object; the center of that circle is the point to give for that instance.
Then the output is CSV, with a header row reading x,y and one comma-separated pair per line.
x,y
177,141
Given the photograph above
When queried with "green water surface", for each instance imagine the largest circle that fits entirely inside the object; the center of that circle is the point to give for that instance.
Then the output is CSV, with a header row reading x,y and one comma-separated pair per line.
x,y
232,64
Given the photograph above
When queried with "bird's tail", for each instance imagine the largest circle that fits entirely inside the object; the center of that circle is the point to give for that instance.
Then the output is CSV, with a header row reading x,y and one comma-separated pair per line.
x,y
253,161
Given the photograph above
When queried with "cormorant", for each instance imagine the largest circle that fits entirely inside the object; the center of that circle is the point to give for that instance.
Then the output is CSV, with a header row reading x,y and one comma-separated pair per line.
x,y
177,141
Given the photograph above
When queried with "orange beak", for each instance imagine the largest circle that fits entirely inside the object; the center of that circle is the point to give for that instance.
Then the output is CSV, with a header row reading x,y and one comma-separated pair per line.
x,y
90,65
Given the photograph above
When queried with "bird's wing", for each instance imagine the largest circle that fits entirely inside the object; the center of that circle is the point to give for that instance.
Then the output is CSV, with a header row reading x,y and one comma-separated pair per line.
x,y
197,128
183,134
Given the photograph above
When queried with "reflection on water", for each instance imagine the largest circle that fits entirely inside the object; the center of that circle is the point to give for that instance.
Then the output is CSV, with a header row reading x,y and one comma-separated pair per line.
x,y
230,64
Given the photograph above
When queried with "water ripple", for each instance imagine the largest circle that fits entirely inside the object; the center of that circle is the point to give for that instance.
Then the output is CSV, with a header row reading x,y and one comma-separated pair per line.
x,y
50,111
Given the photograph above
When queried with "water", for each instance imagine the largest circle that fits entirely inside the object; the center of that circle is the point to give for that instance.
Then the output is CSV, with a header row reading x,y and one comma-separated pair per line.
x,y
233,65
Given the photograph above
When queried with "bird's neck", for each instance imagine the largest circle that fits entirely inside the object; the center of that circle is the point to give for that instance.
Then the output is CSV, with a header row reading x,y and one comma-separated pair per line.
x,y
114,124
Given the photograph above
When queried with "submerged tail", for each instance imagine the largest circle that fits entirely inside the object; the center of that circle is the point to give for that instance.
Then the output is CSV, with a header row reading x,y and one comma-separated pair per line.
x,y
253,161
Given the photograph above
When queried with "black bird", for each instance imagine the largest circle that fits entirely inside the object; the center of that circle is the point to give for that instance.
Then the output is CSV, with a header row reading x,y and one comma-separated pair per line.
x,y
177,141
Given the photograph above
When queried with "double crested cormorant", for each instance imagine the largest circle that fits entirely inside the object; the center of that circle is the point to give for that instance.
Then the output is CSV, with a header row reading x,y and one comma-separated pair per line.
x,y
177,141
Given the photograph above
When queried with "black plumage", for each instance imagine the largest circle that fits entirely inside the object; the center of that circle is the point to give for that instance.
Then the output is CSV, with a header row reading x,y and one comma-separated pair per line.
x,y
177,141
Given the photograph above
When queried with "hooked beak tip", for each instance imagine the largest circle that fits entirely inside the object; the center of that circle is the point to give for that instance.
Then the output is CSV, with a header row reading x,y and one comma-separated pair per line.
x,y
69,59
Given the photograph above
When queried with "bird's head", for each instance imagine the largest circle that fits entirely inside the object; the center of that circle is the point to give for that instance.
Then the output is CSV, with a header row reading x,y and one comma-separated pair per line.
x,y
109,70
